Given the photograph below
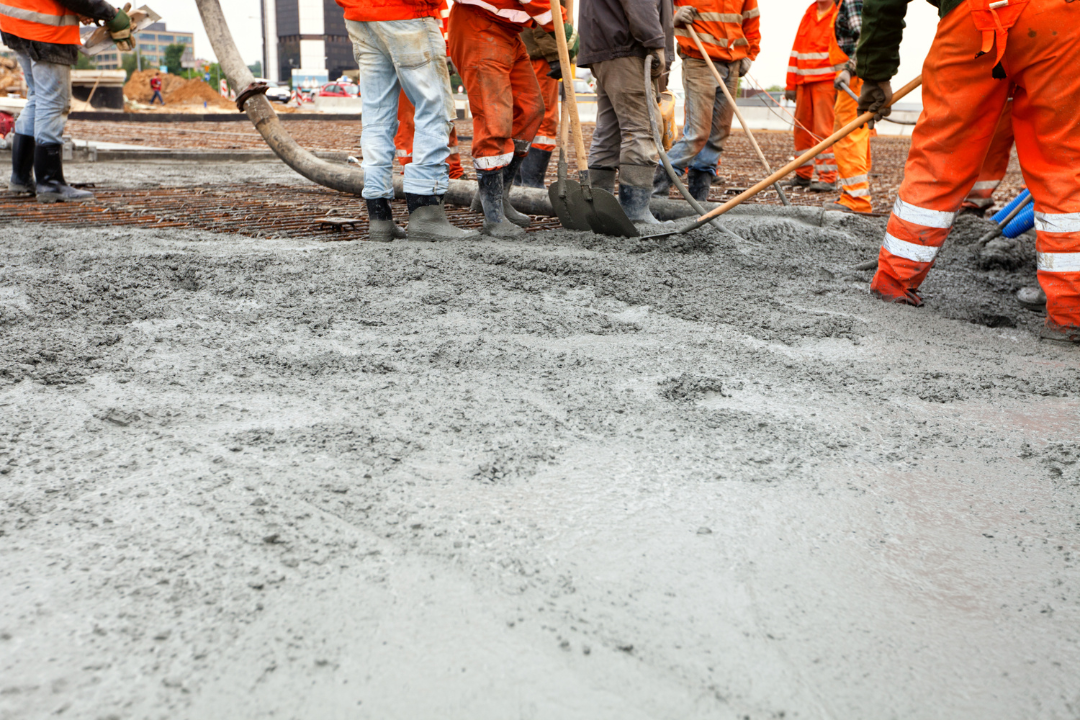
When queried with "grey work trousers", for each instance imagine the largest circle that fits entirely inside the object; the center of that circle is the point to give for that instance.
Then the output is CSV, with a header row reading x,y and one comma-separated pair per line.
x,y
623,134
707,122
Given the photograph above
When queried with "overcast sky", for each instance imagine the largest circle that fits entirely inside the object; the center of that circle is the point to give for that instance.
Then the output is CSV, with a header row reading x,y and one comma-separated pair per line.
x,y
779,22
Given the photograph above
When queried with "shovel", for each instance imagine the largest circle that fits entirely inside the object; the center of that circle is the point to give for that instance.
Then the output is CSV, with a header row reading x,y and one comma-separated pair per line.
x,y
603,212
565,195
791,166
731,101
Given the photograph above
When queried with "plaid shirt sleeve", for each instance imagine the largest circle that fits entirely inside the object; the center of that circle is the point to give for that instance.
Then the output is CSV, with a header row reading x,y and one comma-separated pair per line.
x,y
849,26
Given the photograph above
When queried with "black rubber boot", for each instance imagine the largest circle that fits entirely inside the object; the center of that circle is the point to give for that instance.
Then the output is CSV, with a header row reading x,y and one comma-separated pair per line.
x,y
22,164
49,169
381,225
698,184
820,187
534,169
427,220
635,191
798,181
602,178
661,182
490,191
519,219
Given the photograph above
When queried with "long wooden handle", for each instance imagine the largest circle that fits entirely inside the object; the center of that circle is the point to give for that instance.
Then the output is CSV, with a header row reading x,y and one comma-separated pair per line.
x,y
568,84
802,159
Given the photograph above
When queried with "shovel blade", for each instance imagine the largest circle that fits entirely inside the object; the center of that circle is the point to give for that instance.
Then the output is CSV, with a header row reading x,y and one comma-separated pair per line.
x,y
569,204
606,216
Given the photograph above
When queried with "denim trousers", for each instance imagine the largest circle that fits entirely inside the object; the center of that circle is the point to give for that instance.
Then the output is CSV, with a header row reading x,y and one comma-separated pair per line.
x,y
707,122
409,55
48,100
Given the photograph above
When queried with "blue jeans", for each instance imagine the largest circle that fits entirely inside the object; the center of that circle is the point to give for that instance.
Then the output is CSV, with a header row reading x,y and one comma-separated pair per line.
x,y
48,100
157,96
707,122
410,55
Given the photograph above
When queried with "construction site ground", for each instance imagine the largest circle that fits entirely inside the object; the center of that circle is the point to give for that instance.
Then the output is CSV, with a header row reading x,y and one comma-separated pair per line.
x,y
250,468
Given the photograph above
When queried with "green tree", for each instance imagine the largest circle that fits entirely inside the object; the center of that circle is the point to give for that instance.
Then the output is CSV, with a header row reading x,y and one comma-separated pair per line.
x,y
84,63
256,68
129,63
174,55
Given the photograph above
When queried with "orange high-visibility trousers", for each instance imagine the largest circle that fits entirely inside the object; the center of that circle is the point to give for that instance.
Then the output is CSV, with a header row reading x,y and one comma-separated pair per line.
x,y
995,165
814,107
853,154
403,140
962,104
504,96
547,135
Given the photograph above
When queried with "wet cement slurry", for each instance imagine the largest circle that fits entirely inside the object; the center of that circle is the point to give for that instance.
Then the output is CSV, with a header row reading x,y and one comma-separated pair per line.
x,y
573,477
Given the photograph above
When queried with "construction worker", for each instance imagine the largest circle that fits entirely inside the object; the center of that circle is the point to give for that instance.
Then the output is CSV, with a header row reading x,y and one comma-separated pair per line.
x,y
810,85
504,97
616,36
994,167
403,140
730,32
544,54
978,45
44,35
853,151
399,46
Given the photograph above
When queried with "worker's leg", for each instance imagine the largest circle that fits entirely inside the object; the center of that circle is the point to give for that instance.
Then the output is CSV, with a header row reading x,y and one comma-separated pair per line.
x,y
379,90
961,106
24,124
701,92
824,104
994,166
705,164
457,172
852,154
804,126
528,103
1048,143
52,87
606,140
535,165
23,143
403,140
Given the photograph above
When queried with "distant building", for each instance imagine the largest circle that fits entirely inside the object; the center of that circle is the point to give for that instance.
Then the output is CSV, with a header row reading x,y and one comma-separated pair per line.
x,y
151,44
305,38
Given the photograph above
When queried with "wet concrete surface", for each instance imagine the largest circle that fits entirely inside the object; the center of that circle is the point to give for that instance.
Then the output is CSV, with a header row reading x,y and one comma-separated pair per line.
x,y
572,477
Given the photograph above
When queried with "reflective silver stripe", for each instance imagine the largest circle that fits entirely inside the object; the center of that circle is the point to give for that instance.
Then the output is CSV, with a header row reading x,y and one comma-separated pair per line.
x,y
986,185
402,153
854,180
863,192
790,69
1059,262
922,216
826,168
909,251
543,140
812,56
39,18
493,161
1057,223
453,149
739,42
751,14
980,202
812,71
543,18
721,17
517,16
706,38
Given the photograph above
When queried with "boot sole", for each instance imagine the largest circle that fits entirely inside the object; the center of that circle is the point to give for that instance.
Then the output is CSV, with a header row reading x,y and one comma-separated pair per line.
x,y
50,199
422,236
502,232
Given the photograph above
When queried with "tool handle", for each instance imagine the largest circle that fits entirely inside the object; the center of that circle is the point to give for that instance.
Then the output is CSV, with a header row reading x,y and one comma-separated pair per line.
x,y
802,159
568,85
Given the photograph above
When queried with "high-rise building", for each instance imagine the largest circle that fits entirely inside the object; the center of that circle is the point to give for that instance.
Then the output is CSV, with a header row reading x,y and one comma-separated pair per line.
x,y
305,38
150,43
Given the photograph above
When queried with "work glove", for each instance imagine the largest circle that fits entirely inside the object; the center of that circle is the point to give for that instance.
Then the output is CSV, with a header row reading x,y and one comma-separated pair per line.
x,y
744,66
120,30
573,40
876,97
842,78
686,15
659,65
790,95
556,70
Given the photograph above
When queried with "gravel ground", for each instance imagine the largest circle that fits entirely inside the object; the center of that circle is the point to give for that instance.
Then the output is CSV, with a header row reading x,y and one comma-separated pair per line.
x,y
573,477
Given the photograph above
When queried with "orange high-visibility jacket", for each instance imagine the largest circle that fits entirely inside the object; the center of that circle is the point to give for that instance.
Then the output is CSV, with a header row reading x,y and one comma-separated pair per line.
x,y
521,12
810,61
730,30
40,20
376,10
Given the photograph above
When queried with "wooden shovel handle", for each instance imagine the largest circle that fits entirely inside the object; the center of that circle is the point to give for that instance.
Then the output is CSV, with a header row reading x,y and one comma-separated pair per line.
x,y
568,84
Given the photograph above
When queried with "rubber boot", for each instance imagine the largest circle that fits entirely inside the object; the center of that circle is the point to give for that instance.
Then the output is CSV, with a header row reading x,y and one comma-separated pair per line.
x,y
490,184
427,220
661,183
797,182
602,178
22,164
49,169
381,225
635,190
519,219
534,169
820,186
698,184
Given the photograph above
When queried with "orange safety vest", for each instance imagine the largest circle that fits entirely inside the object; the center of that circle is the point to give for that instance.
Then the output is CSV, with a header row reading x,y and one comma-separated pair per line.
x,y
522,12
376,10
809,61
730,30
40,20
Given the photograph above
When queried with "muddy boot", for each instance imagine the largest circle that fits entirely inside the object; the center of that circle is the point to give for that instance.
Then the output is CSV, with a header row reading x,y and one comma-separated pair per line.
x,y
427,220
822,187
602,178
22,164
635,190
698,183
534,169
661,183
1033,298
381,225
798,182
49,169
490,184
519,219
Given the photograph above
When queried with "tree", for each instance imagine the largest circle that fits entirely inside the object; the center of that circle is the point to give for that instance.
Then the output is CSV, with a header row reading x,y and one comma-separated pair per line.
x,y
174,55
84,63
256,68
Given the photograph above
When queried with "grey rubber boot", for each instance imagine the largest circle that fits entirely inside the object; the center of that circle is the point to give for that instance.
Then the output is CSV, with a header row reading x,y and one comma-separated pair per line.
x,y
602,178
49,169
518,218
533,169
22,164
661,182
798,181
698,184
381,225
490,184
427,220
822,187
635,190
